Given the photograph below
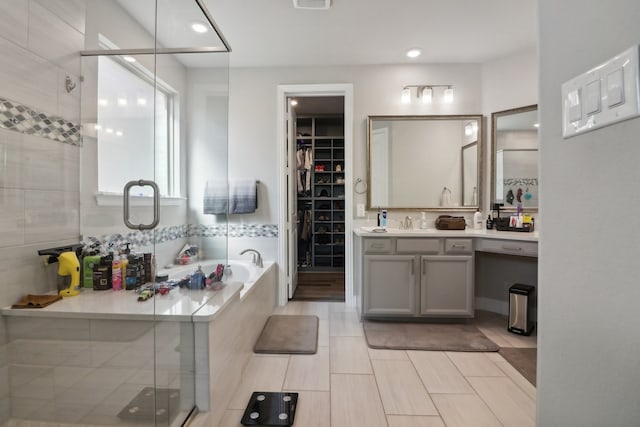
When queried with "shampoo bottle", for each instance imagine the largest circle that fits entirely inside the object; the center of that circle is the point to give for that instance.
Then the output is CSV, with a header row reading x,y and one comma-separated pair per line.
x,y
383,219
116,274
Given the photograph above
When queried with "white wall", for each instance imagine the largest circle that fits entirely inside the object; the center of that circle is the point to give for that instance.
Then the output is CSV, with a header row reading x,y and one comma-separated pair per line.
x,y
508,82
253,146
39,191
588,341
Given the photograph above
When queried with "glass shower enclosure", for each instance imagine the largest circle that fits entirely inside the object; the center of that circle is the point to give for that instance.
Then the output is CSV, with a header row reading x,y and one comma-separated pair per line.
x,y
153,112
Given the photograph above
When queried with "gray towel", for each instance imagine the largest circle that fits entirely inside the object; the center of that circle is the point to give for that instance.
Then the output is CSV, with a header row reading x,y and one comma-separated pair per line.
x,y
243,196
215,198
239,196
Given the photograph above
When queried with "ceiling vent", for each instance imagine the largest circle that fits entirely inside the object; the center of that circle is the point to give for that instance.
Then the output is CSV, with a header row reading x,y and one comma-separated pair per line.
x,y
312,4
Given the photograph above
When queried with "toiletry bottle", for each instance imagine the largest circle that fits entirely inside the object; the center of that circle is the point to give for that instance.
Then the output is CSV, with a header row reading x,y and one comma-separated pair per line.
x,y
89,263
489,222
124,263
477,220
423,220
378,224
383,219
116,274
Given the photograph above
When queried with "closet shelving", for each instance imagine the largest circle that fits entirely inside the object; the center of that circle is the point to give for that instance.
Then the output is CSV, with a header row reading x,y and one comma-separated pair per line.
x,y
324,135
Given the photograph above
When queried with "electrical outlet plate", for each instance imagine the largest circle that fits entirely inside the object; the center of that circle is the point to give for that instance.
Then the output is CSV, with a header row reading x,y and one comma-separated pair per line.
x,y
606,94
360,210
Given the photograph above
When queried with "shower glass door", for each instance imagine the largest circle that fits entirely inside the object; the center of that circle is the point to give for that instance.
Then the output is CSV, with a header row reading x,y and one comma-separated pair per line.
x,y
154,100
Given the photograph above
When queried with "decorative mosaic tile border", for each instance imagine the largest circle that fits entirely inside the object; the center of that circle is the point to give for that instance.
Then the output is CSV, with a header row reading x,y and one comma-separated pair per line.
x,y
20,118
147,237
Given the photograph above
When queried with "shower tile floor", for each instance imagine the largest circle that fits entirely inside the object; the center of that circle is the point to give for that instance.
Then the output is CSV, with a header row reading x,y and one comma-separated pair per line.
x,y
347,384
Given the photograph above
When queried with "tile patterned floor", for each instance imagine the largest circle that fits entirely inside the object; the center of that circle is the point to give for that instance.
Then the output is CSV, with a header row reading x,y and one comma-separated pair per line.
x,y
347,384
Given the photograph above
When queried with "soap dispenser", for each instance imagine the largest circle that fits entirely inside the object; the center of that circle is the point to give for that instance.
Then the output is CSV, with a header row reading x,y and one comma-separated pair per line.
x,y
423,220
477,219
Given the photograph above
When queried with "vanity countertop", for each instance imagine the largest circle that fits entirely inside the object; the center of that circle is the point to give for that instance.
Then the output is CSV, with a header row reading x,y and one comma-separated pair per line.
x,y
432,232
177,305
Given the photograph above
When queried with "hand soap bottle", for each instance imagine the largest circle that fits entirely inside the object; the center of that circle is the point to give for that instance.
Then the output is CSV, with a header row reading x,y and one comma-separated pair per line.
x,y
477,220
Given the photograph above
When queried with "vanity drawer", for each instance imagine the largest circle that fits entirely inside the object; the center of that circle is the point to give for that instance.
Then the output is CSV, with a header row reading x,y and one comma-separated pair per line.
x,y
377,246
458,246
416,245
511,247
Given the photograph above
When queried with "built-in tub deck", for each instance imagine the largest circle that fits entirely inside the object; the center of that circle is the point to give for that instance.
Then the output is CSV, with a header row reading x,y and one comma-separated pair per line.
x,y
201,341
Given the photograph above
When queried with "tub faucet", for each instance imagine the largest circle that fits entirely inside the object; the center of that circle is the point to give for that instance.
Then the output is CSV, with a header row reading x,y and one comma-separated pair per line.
x,y
257,258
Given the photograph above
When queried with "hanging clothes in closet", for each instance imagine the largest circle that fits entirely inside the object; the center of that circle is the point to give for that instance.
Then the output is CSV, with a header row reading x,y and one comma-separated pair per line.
x,y
304,162
305,215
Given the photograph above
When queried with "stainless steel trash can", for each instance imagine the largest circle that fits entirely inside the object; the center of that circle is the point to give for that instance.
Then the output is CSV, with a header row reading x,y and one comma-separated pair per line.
x,y
520,301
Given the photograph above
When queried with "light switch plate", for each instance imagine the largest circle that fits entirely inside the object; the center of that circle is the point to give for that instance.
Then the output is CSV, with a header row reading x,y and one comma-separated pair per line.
x,y
360,210
606,94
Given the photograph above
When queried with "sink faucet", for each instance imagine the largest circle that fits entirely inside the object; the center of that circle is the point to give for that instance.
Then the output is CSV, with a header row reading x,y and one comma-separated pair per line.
x,y
257,258
407,224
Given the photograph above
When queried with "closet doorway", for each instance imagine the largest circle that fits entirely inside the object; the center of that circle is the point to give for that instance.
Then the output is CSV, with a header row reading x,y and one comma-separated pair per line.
x,y
319,129
287,218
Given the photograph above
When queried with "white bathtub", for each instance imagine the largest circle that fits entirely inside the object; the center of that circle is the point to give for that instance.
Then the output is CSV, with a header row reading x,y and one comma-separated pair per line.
x,y
235,271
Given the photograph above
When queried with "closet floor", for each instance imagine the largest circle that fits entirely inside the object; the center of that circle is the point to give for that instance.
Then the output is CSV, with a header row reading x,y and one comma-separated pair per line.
x,y
320,286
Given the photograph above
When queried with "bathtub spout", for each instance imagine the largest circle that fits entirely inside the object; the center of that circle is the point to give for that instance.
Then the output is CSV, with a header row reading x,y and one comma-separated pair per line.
x,y
257,258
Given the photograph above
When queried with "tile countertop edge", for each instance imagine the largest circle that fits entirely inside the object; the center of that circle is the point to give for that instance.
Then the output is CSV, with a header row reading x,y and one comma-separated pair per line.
x,y
68,308
432,232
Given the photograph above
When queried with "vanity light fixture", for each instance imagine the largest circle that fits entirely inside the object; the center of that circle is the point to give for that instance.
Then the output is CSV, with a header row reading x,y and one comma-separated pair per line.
x,y
425,93
406,95
468,129
448,95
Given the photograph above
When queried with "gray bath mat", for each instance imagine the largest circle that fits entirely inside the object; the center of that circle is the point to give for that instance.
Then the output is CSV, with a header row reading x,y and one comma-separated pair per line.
x,y
426,336
523,359
288,334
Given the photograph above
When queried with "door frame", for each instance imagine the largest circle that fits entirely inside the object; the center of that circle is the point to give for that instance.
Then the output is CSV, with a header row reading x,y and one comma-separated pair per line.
x,y
315,90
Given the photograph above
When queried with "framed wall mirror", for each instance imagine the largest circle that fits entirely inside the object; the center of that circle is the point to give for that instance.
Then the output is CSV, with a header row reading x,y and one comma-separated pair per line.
x,y
430,163
514,156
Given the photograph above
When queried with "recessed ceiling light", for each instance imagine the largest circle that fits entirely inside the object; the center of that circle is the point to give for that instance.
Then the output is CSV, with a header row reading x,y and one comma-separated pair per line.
x,y
118,133
109,130
129,58
294,102
199,27
142,101
122,102
103,102
536,125
414,52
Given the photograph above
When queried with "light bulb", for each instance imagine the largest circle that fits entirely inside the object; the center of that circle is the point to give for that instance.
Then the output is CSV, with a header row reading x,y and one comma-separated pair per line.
x,y
427,95
406,95
414,52
199,27
448,95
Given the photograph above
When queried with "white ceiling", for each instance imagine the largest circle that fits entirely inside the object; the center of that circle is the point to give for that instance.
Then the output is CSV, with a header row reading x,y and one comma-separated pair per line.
x,y
361,32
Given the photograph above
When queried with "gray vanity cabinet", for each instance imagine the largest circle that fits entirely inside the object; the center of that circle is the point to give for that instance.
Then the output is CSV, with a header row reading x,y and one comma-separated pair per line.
x,y
417,277
390,284
446,285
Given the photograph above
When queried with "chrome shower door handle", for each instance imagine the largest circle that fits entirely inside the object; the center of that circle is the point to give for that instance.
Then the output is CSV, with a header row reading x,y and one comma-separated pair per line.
x,y
156,204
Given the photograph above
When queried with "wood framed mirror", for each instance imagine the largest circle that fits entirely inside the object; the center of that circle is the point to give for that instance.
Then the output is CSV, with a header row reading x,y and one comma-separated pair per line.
x,y
514,158
413,160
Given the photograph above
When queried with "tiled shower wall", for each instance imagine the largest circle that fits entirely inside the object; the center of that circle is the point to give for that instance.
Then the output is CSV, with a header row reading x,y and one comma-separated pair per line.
x,y
39,190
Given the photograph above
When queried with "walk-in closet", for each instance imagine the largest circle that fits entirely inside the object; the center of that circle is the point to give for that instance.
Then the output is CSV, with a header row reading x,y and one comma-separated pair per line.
x,y
320,163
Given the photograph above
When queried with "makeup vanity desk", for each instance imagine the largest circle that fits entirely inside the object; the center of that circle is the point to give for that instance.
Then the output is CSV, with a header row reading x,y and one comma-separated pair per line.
x,y
427,273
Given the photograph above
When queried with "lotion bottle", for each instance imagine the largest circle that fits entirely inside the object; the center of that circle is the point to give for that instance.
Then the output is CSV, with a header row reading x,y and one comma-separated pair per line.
x,y
477,220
